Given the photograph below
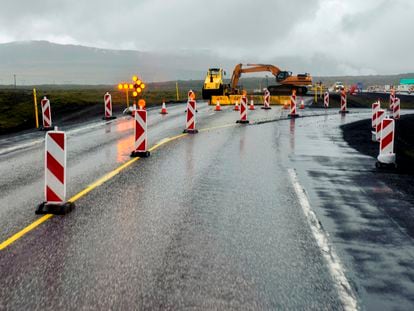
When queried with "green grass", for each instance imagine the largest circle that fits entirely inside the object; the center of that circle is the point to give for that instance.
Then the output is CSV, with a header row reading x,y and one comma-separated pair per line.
x,y
17,108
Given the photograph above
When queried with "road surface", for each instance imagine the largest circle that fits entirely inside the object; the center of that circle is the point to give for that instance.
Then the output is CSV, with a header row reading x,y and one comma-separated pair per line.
x,y
279,214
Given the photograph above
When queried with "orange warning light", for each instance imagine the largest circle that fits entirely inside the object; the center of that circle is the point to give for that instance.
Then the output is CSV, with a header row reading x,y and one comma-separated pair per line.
x,y
139,82
131,86
139,90
141,103
120,86
125,86
142,86
134,78
134,93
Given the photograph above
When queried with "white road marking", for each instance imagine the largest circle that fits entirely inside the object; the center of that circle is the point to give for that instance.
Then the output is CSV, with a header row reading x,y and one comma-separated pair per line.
x,y
336,269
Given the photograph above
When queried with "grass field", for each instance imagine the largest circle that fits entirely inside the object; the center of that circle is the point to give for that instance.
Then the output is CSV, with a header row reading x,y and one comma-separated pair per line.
x,y
17,106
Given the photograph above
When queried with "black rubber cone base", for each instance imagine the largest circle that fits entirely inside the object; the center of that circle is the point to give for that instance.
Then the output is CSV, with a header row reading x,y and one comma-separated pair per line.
x,y
243,121
343,112
190,131
385,166
163,112
107,119
141,154
292,116
55,208
45,129
267,108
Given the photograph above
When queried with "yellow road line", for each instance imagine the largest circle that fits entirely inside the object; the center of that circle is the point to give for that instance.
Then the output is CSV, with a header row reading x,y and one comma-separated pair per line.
x,y
92,186
21,233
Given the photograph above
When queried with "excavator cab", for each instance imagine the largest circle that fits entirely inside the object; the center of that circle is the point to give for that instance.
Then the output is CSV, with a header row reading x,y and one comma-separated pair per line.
x,y
213,83
283,75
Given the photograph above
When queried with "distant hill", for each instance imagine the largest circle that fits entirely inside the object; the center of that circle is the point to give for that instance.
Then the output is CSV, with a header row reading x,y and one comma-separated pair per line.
x,y
43,62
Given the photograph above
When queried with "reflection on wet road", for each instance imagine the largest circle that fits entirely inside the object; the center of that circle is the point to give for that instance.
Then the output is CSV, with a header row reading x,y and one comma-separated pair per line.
x,y
209,221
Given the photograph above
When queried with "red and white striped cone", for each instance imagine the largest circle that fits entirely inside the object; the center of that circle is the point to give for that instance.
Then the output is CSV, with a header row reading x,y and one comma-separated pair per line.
x,y
266,100
326,100
55,175
293,113
191,117
343,103
386,155
46,114
134,110
251,106
141,141
375,107
108,107
396,109
236,106
243,111
378,123
218,107
302,104
163,108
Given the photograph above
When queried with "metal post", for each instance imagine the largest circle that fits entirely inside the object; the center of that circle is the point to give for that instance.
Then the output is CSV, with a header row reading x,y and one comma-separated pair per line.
x,y
35,108
127,99
176,90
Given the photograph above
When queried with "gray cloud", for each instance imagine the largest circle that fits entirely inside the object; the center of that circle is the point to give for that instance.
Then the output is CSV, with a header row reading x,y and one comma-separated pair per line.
x,y
321,36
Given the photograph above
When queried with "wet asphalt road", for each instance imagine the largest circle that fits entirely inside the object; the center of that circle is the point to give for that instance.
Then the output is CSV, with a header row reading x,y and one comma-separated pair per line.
x,y
210,221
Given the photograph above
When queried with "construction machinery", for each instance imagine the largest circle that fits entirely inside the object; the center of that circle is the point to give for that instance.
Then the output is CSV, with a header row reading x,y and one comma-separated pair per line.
x,y
285,82
214,83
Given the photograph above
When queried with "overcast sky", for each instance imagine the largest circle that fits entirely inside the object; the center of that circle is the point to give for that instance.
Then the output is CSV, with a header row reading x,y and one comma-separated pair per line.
x,y
332,37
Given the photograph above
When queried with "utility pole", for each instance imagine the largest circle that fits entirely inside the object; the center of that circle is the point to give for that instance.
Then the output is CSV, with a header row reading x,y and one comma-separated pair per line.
x,y
14,81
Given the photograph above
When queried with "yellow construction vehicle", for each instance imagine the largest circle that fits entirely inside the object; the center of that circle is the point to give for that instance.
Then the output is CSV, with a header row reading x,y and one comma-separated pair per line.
x,y
285,81
213,84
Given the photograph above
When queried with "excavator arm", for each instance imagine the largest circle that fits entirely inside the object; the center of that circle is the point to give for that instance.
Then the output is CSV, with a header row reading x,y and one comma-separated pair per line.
x,y
238,70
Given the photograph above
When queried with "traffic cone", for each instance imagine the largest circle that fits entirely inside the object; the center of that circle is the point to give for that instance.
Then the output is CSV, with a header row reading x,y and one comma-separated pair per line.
x,y
218,107
163,108
251,107
236,107
302,104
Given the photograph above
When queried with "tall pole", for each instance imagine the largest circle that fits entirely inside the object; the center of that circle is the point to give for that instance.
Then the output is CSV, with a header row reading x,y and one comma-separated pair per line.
x,y
127,99
14,81
176,90
35,108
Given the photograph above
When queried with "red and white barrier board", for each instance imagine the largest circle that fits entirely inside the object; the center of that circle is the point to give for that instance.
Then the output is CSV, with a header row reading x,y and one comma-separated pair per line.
x,y
378,124
46,113
392,99
386,153
55,175
191,117
326,100
141,141
293,112
343,103
108,107
243,110
396,109
375,108
266,100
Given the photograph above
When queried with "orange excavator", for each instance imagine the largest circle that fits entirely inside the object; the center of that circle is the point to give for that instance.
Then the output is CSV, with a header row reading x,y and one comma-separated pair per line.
x,y
285,81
